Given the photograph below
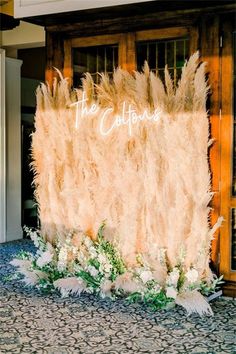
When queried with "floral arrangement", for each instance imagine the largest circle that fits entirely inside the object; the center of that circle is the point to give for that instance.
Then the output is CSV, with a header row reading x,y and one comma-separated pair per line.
x,y
149,178
80,264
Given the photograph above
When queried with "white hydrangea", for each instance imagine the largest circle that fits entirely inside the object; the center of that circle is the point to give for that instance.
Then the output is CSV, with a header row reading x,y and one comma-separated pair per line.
x,y
44,259
192,275
146,276
171,292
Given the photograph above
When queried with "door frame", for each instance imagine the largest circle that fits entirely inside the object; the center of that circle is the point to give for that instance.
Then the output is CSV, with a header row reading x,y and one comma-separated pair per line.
x,y
226,153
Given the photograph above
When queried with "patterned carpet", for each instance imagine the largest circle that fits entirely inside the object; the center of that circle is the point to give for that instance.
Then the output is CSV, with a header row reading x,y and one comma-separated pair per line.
x,y
34,323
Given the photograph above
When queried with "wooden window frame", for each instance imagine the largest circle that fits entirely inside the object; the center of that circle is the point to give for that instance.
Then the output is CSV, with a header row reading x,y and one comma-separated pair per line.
x,y
125,49
126,44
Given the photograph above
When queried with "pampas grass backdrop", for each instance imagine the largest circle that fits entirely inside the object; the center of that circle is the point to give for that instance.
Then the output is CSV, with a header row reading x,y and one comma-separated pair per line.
x,y
152,188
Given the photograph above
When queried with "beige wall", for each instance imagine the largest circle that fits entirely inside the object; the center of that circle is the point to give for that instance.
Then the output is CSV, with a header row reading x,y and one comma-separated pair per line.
x,y
26,35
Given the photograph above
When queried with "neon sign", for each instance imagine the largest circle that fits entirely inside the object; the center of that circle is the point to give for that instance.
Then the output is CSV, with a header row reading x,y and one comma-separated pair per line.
x,y
128,116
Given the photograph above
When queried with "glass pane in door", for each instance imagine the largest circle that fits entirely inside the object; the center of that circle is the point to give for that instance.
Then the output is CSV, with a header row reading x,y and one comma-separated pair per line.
x,y
94,60
172,52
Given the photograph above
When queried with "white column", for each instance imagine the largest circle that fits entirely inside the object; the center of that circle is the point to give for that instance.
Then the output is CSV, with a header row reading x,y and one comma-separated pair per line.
x,y
13,149
2,149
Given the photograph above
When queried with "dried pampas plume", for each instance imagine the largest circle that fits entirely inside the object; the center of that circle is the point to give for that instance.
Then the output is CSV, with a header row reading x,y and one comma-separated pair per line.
x,y
152,188
194,302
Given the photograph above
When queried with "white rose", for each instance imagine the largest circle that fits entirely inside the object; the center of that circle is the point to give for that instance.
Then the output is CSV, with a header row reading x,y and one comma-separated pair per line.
x,y
107,267
146,275
92,270
44,259
171,292
192,275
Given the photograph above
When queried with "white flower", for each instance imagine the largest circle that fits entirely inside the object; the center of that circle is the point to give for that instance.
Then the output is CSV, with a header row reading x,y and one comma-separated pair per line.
x,y
171,292
81,257
50,247
34,238
93,252
62,255
62,259
146,275
87,242
92,270
61,266
44,259
102,259
157,288
107,267
192,275
173,277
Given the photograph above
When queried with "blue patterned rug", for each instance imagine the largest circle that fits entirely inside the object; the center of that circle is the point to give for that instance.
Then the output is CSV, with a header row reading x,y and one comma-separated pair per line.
x,y
34,323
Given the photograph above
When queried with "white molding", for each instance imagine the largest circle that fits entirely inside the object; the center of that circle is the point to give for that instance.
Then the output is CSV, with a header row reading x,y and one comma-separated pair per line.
x,y
2,149
13,149
25,8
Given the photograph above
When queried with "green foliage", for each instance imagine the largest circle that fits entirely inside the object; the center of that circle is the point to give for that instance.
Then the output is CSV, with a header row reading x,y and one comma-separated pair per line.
x,y
152,299
181,279
99,266
209,288
156,300
24,255
89,279
45,286
134,298
94,262
118,265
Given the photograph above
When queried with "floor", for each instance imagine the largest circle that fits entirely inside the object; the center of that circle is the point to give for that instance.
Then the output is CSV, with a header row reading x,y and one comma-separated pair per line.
x,y
34,323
